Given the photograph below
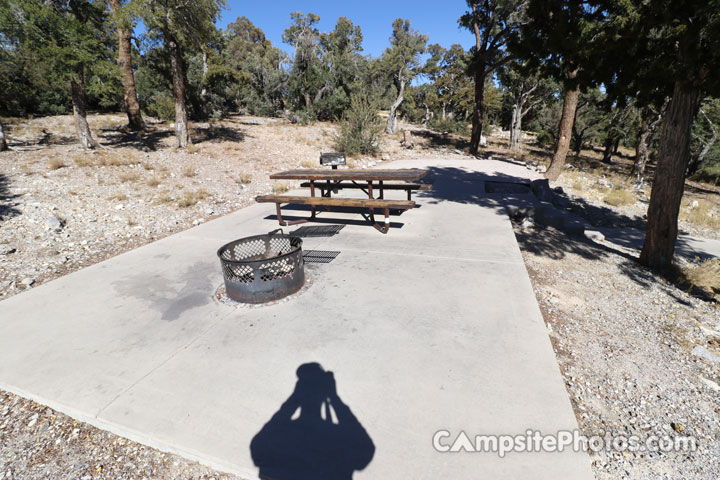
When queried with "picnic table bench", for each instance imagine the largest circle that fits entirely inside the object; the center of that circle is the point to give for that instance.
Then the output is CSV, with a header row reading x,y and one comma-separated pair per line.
x,y
328,181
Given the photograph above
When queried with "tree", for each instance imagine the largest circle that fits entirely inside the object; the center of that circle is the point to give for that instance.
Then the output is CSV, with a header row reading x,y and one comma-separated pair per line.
x,y
342,63
3,143
679,44
705,133
492,22
526,90
124,27
589,120
402,60
261,78
183,24
307,82
65,34
650,119
559,37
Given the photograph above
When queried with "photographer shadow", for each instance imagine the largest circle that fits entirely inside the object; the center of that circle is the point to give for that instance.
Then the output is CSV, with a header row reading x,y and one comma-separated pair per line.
x,y
325,441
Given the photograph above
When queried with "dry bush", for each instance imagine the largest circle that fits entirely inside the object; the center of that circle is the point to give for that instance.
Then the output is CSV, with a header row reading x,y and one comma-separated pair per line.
x,y
704,276
189,199
131,222
620,197
163,198
83,161
189,171
244,178
56,163
308,164
121,197
112,158
128,177
148,166
705,214
153,182
280,188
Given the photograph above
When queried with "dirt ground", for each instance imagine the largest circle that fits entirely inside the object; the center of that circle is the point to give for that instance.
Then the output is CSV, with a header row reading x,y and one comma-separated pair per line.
x,y
623,337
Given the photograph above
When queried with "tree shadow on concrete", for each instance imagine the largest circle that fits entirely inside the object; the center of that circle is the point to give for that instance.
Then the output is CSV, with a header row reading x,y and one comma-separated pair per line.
x,y
457,185
7,207
317,444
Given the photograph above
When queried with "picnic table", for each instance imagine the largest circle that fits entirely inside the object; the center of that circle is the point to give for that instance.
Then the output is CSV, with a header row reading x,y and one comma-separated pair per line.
x,y
329,181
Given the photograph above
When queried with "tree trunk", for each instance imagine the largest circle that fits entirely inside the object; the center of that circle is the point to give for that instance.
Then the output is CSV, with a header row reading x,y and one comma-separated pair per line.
x,y
308,101
428,115
181,125
3,143
203,92
564,131
669,182
608,152
647,130
577,141
516,128
391,126
478,120
77,87
124,60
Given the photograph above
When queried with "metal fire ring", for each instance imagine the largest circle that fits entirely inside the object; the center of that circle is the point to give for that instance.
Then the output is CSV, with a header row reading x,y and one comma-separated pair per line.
x,y
262,268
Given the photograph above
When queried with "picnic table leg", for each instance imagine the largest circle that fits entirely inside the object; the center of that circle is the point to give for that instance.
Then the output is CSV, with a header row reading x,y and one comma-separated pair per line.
x,y
286,223
380,185
385,228
370,192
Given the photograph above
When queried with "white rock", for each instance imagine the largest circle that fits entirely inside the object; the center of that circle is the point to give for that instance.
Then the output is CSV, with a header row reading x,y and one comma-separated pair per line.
x,y
703,352
594,235
119,207
53,224
28,282
712,385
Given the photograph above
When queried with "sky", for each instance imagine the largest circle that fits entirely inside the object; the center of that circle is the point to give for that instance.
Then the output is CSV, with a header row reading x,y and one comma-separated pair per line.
x,y
437,19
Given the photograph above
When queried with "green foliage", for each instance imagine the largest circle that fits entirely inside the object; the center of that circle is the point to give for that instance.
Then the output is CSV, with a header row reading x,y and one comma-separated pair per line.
x,y
449,125
260,80
47,44
162,106
360,129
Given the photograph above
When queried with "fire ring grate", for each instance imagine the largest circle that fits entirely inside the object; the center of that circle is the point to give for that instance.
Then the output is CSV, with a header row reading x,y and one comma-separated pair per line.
x,y
262,268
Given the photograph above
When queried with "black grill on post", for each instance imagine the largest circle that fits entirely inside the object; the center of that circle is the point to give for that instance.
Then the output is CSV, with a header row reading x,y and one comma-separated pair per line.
x,y
333,159
262,268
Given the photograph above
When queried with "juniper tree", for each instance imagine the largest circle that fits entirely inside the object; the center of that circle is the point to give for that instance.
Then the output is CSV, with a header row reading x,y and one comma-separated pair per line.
x,y
492,22
68,37
183,25
402,61
124,25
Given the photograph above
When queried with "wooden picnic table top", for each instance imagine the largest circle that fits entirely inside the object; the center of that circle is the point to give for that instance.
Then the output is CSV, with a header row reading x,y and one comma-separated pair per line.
x,y
401,175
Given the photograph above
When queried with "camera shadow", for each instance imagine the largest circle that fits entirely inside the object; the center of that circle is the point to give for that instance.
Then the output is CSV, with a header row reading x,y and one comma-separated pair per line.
x,y
313,435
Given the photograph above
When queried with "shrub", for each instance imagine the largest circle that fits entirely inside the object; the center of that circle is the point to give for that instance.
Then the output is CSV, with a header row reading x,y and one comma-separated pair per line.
x,y
360,129
705,276
449,125
620,197
162,107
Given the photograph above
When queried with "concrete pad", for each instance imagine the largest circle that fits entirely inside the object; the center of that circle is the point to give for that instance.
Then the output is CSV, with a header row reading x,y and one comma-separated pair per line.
x,y
431,327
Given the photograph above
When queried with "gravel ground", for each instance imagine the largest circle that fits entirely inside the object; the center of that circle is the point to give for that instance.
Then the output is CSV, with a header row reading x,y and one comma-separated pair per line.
x,y
38,442
638,355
